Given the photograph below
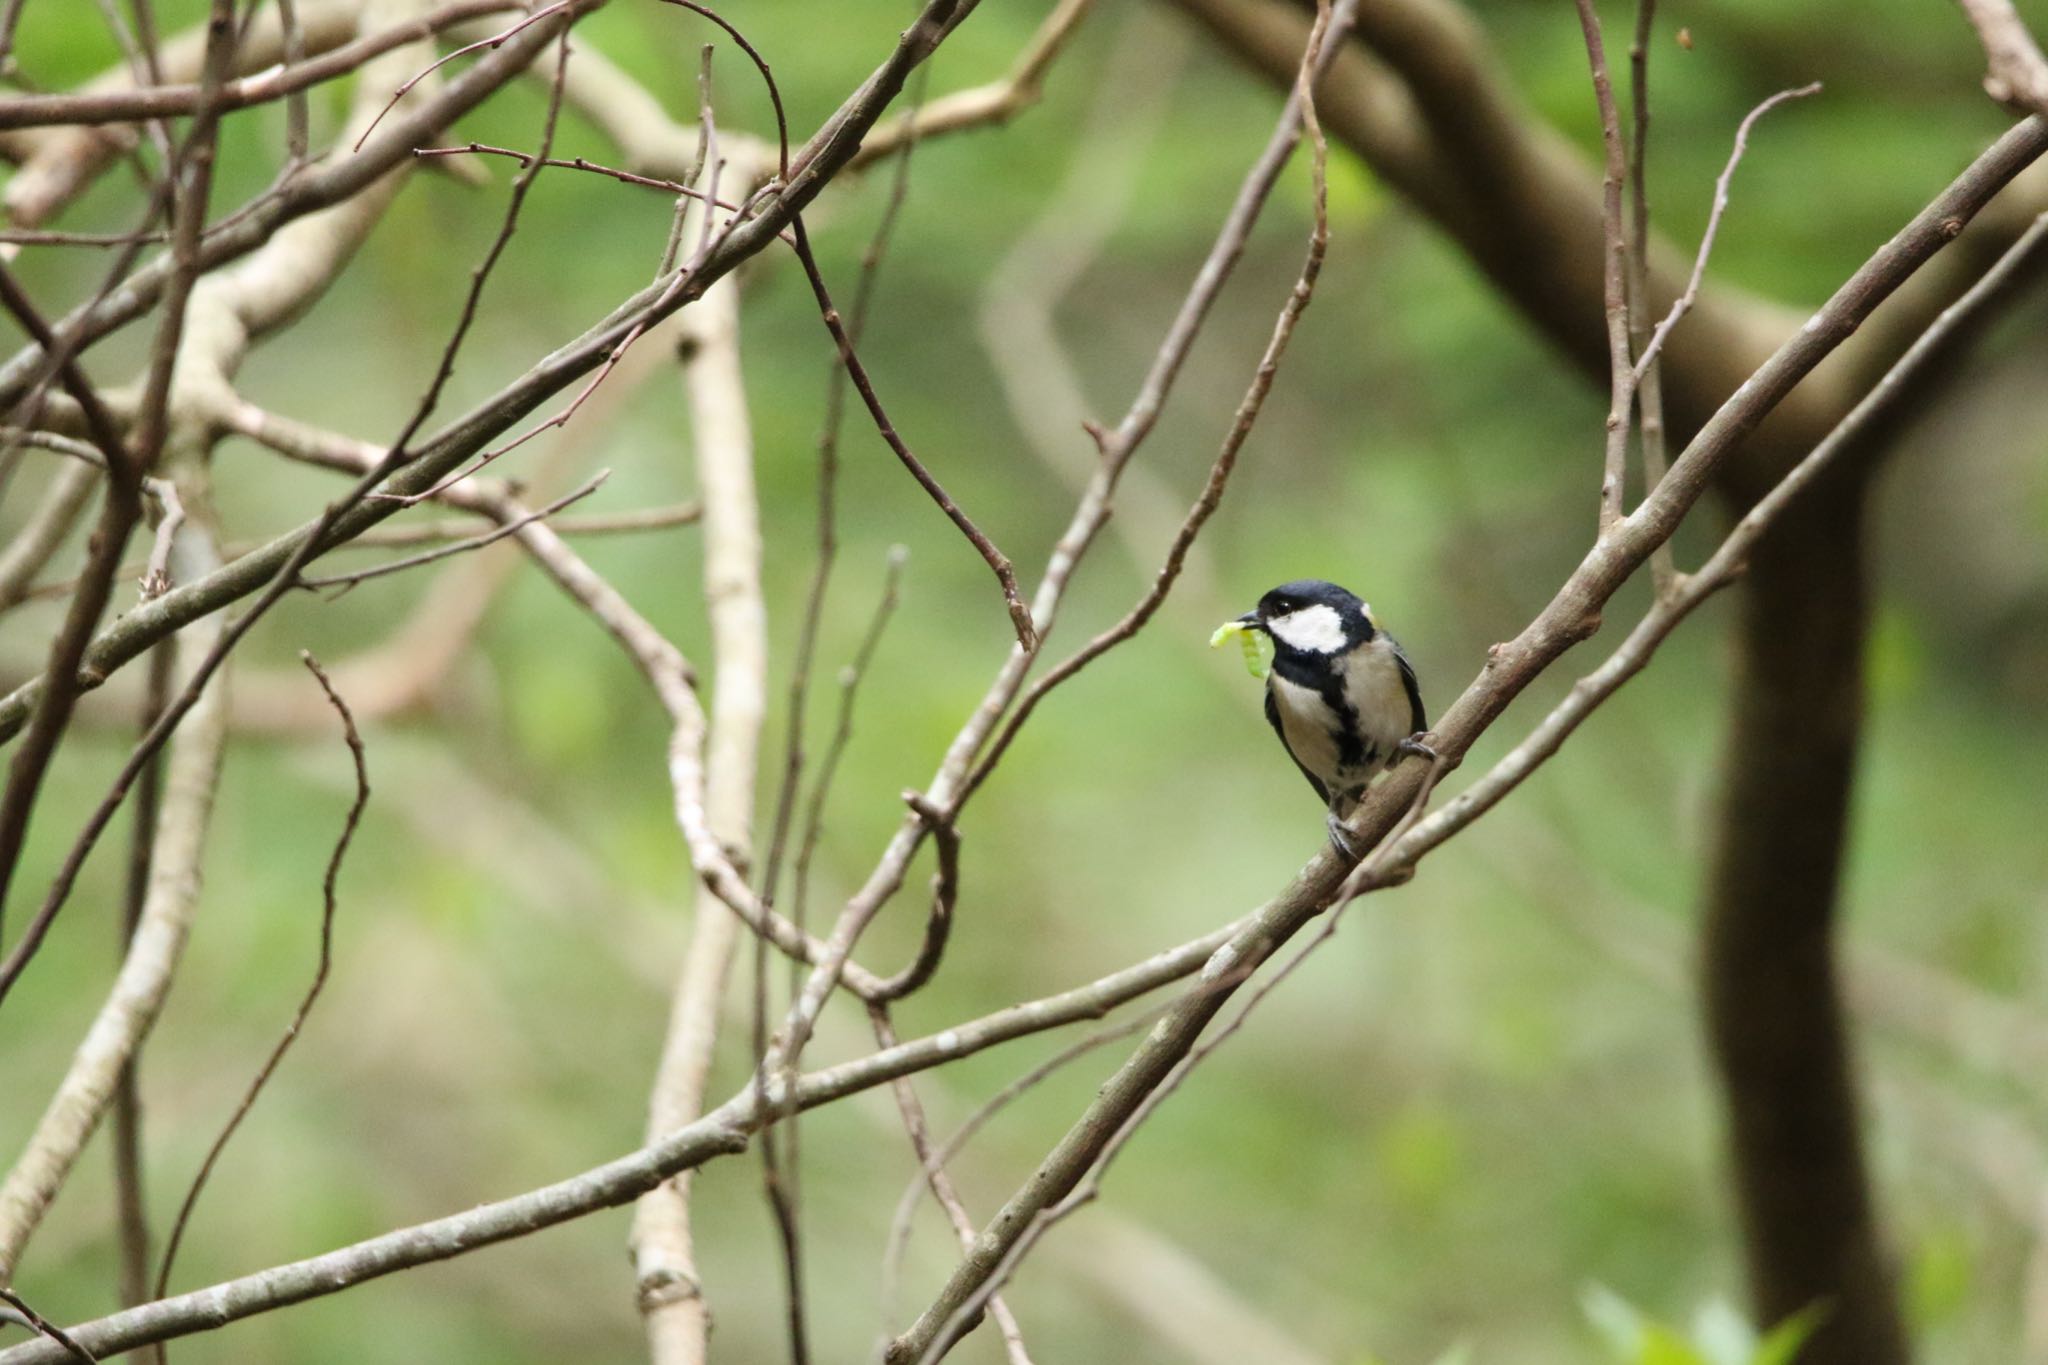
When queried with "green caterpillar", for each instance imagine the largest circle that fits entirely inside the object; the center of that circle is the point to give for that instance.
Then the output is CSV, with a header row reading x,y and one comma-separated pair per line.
x,y
1256,644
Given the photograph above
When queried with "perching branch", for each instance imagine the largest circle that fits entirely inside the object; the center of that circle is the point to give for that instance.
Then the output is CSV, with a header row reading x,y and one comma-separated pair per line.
x,y
1572,615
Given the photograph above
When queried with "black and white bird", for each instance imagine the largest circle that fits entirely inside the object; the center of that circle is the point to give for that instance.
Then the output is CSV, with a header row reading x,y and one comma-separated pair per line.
x,y
1340,694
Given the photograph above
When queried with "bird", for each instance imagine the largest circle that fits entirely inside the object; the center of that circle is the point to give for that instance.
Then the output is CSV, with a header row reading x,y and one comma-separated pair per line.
x,y
1340,693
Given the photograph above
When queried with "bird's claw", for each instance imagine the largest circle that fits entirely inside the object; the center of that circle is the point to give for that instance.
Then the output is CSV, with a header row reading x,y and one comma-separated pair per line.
x,y
1418,747
1340,839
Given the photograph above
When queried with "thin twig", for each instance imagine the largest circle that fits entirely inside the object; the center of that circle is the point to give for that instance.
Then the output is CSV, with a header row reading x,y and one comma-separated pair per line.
x,y
289,81
477,542
133,1207
997,561
945,892
1211,496
480,274
575,163
493,43
1649,375
1614,275
44,1327
1685,301
156,574
722,1132
919,1132
829,150
313,988
42,237
933,1163
842,734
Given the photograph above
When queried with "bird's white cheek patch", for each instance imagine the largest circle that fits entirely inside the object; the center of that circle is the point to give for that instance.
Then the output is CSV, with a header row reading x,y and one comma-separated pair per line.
x,y
1318,629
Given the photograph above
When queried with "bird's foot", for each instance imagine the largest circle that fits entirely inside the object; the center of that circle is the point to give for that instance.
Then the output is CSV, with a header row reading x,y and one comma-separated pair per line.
x,y
1416,746
1340,839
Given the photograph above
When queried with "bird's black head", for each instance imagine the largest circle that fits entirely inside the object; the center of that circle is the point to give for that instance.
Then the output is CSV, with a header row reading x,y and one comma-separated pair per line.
x,y
1311,616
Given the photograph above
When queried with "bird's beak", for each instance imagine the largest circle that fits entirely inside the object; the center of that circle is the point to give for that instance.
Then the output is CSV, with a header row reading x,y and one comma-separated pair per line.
x,y
1249,621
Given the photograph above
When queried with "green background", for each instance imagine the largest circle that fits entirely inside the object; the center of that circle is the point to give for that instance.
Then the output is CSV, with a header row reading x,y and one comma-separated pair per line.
x,y
1489,1090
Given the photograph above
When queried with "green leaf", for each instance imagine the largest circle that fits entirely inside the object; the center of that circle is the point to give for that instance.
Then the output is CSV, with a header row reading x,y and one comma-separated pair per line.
x,y
1781,1344
1938,1283
1664,1346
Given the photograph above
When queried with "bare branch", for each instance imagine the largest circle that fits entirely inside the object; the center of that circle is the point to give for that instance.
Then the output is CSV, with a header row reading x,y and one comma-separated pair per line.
x,y
723,1131
37,1323
984,105
37,539
947,788
294,76
666,1282
130,1011
1683,304
2016,74
466,436
1398,855
999,564
934,1172
1656,454
1613,273
1571,615
313,988
578,163
582,491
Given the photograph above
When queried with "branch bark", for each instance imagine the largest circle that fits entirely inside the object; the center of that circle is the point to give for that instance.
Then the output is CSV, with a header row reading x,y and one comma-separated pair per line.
x,y
124,1021
666,1283
823,158
1572,615
722,1132
1426,105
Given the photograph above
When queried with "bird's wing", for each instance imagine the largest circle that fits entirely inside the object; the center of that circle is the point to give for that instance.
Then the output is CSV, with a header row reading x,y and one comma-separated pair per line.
x,y
1419,721
1273,719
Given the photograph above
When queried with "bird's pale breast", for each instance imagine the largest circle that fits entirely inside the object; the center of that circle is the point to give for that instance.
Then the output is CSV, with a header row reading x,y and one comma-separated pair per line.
x,y
1307,725
1373,686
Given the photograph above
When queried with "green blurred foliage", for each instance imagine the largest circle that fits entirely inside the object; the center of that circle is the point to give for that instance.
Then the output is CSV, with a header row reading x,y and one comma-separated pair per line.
x,y
1720,1334
1487,1091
